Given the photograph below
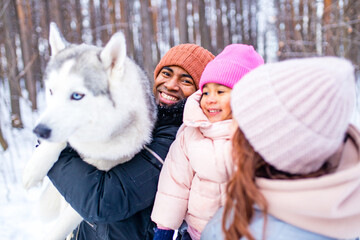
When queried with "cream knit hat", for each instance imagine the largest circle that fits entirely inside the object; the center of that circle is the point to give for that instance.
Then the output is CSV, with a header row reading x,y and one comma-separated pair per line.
x,y
295,113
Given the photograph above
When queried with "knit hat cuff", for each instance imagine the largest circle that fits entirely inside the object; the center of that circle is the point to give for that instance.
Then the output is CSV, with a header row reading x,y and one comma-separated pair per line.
x,y
215,73
190,63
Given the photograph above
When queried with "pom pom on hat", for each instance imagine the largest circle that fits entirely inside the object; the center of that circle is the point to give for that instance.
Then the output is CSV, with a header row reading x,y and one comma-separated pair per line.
x,y
191,57
295,113
231,65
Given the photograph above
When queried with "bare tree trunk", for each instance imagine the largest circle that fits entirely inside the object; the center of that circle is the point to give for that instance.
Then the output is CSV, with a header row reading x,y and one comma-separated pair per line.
x,y
298,45
36,66
280,33
181,20
249,23
146,36
312,25
26,53
254,25
112,17
351,11
327,29
204,27
171,24
230,17
219,28
240,20
2,42
126,25
289,31
55,14
265,46
3,141
340,32
66,7
154,14
195,28
103,22
2,72
79,21
10,52
44,34
45,19
92,16
301,23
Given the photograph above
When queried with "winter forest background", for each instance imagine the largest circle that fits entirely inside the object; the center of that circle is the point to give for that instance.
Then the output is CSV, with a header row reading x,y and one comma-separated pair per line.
x,y
278,29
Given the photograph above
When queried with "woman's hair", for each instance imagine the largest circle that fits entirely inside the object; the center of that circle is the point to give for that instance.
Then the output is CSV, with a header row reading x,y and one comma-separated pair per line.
x,y
242,192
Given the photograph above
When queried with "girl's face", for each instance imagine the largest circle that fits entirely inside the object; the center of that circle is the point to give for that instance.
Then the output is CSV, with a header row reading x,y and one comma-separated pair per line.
x,y
215,102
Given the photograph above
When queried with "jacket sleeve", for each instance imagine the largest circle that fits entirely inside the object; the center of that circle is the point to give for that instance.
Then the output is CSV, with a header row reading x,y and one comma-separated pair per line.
x,y
171,200
117,194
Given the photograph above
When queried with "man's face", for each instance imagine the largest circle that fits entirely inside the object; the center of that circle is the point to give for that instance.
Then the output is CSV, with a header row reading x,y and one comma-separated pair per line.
x,y
172,85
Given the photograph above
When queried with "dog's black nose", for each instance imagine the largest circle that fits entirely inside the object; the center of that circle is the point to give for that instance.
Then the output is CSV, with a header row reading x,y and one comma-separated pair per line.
x,y
42,131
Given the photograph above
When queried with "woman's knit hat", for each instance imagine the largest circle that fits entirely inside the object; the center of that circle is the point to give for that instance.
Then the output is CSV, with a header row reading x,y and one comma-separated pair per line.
x,y
191,57
295,113
231,65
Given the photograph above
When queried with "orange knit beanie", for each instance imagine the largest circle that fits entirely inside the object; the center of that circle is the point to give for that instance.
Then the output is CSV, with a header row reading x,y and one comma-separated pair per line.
x,y
191,57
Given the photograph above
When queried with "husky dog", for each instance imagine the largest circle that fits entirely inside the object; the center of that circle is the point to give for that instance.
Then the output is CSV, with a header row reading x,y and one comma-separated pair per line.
x,y
100,102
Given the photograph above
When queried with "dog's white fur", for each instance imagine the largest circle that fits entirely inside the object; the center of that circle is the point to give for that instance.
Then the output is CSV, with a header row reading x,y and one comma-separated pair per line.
x,y
110,123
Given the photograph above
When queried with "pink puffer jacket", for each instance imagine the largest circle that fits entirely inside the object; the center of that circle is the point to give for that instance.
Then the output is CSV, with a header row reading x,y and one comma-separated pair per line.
x,y
196,170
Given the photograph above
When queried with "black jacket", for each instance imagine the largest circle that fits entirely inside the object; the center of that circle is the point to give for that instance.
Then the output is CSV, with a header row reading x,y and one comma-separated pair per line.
x,y
117,204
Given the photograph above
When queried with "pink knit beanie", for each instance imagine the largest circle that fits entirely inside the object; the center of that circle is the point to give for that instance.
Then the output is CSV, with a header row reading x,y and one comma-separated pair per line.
x,y
295,113
231,65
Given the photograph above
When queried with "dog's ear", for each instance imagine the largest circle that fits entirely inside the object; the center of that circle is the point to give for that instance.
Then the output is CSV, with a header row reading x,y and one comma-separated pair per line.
x,y
114,53
56,39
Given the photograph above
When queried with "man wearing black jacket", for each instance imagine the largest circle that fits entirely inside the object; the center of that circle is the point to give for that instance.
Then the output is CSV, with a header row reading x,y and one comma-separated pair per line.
x,y
117,204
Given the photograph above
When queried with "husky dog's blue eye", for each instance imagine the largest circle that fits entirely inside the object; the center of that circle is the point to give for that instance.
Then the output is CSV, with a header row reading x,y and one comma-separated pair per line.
x,y
77,96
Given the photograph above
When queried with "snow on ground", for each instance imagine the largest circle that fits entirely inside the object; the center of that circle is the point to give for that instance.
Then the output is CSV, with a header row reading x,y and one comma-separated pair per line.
x,y
18,214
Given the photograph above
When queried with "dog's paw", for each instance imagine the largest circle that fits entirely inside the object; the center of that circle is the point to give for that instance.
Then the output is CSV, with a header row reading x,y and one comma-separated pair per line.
x,y
40,163
32,176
